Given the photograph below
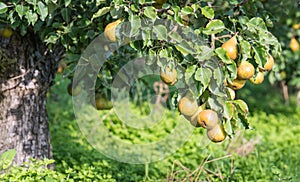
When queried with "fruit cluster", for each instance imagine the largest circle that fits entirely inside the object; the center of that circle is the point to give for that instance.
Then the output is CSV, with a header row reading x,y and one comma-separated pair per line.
x,y
245,70
206,118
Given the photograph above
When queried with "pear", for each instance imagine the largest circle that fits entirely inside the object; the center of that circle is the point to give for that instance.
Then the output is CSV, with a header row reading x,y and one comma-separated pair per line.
x,y
231,48
294,44
187,105
245,70
296,26
237,84
217,133
169,76
269,64
110,30
208,119
258,79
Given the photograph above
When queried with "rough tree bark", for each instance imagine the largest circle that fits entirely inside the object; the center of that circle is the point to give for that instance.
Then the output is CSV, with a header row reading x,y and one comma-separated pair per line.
x,y
27,69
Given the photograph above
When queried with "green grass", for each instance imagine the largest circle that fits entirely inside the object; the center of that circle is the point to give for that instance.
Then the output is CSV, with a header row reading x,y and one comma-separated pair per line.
x,y
268,152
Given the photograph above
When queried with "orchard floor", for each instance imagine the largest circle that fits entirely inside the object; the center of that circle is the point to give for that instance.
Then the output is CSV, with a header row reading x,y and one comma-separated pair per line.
x,y
268,152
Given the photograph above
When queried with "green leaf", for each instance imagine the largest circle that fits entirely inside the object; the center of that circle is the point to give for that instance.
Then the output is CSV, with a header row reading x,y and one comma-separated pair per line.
x,y
203,75
101,12
67,2
245,49
189,72
175,37
21,10
208,12
51,39
135,23
221,53
187,10
7,158
3,8
205,54
31,17
66,13
32,2
241,106
216,103
185,48
42,10
150,12
260,55
160,31
213,27
218,75
232,70
151,57
257,23
215,88
228,110
146,35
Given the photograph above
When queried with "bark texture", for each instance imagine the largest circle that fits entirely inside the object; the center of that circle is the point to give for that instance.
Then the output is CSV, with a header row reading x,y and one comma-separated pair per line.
x,y
27,69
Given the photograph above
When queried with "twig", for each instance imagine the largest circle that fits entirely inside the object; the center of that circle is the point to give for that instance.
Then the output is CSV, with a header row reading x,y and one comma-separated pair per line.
x,y
201,167
216,159
212,172
219,172
241,3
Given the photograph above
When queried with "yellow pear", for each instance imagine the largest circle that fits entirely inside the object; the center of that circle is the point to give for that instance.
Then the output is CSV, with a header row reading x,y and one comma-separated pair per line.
x,y
231,48
237,84
269,64
296,26
294,44
187,106
169,76
258,79
208,119
217,133
193,119
245,70
110,30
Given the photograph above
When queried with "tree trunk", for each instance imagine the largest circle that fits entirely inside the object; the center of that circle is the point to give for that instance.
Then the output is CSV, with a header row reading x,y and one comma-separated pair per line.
x,y
27,69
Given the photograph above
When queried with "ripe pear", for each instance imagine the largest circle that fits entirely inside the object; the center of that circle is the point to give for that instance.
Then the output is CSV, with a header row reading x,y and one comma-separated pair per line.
x,y
269,64
169,76
216,134
237,84
231,48
208,119
294,44
110,30
245,70
61,67
258,79
193,119
296,26
187,106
